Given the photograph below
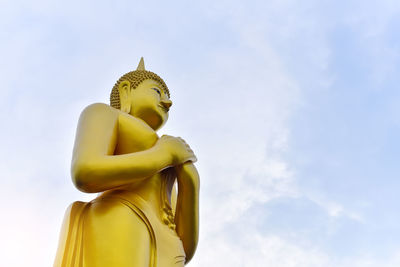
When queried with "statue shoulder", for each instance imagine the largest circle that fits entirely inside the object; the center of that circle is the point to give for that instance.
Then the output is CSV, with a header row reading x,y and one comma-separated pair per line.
x,y
99,110
97,117
100,115
100,107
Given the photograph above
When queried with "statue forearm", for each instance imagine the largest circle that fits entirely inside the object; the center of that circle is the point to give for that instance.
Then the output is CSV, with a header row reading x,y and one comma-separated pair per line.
x,y
187,210
99,173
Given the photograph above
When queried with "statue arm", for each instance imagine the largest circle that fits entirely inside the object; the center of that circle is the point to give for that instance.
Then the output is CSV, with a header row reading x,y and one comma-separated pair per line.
x,y
95,168
187,207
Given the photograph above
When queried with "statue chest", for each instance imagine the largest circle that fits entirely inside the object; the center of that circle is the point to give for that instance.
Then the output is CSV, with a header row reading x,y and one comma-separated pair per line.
x,y
133,135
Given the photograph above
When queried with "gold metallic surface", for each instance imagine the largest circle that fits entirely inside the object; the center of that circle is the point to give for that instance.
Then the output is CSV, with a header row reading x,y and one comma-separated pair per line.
x,y
138,219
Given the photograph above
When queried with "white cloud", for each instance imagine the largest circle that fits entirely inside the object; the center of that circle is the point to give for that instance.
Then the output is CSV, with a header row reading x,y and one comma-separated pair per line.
x,y
256,250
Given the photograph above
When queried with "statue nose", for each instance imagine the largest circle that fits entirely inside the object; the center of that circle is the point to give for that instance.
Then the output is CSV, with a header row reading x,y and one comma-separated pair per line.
x,y
166,103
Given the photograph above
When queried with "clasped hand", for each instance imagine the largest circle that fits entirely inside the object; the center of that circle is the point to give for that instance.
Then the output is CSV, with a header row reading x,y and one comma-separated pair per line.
x,y
177,148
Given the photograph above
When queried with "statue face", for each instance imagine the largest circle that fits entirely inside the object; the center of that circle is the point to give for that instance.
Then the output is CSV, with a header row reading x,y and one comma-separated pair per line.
x,y
147,102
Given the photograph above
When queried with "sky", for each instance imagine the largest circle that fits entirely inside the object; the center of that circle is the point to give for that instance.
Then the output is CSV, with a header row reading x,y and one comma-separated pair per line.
x,y
292,108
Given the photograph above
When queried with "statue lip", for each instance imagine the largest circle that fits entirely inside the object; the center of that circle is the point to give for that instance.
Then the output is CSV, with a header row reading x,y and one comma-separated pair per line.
x,y
163,108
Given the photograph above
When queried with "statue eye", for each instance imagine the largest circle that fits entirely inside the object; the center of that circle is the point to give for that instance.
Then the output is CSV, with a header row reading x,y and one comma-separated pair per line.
x,y
157,90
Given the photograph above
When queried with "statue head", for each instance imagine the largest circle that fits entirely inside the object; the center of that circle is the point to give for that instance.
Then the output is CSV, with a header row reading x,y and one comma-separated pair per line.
x,y
142,94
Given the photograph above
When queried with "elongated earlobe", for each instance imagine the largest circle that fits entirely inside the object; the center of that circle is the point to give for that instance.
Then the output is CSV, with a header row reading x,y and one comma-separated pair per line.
x,y
124,89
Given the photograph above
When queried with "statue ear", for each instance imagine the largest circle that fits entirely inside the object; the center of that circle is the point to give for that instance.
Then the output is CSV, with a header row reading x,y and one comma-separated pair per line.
x,y
124,89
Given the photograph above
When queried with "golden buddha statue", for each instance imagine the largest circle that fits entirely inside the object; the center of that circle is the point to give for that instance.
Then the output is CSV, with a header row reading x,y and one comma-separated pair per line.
x,y
139,218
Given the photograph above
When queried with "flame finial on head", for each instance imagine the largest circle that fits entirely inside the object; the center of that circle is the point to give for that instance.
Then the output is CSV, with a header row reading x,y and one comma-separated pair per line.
x,y
141,64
